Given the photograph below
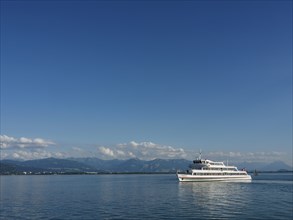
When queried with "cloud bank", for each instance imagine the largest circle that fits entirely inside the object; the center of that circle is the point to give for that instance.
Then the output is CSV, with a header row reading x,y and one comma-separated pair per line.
x,y
27,149
7,142
36,154
150,151
141,150
269,156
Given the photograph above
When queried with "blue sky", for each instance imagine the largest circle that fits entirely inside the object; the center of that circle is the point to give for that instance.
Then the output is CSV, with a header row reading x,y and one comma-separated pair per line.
x,y
87,77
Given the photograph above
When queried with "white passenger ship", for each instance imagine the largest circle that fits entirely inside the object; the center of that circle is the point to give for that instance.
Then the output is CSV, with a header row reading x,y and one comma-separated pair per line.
x,y
207,170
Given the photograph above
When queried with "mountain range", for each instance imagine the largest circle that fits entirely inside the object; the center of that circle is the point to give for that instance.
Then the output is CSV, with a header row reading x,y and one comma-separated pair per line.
x,y
95,165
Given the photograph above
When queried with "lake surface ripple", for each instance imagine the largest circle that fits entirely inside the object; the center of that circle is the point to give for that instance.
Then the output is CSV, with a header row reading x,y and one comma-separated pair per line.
x,y
268,196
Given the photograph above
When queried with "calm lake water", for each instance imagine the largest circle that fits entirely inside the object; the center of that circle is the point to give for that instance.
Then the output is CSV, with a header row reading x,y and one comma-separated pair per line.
x,y
268,196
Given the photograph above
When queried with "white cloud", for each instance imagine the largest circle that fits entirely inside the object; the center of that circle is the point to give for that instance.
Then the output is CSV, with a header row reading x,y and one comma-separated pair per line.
x,y
78,149
141,150
133,144
106,151
130,154
7,142
32,155
120,152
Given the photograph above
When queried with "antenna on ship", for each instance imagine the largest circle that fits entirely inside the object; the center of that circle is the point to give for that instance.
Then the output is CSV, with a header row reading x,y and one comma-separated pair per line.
x,y
199,154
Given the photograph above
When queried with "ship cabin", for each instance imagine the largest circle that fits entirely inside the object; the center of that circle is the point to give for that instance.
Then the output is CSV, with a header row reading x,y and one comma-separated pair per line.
x,y
200,164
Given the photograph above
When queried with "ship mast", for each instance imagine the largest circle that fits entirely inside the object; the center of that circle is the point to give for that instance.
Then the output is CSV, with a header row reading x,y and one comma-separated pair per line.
x,y
199,158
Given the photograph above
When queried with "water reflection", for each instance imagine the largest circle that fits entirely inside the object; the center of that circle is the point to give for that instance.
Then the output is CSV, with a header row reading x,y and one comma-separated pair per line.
x,y
24,192
221,199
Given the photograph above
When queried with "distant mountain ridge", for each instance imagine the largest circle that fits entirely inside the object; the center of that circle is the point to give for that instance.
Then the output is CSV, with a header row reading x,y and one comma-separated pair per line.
x,y
274,166
47,165
89,165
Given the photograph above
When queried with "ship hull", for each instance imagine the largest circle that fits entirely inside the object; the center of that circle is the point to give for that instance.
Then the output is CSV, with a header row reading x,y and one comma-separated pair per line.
x,y
223,178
